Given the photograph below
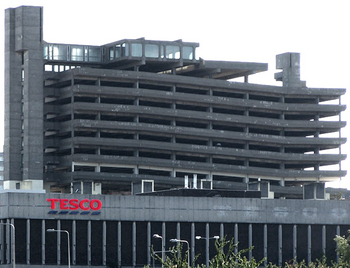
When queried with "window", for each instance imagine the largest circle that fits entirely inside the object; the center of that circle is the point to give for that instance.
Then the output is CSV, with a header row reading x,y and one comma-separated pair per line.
x,y
136,50
76,53
111,53
46,52
121,50
172,52
187,53
59,52
94,54
151,51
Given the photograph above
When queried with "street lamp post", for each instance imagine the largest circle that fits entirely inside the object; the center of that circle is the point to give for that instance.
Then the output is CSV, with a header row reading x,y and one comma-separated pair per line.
x,y
13,242
68,243
160,237
162,251
198,237
188,248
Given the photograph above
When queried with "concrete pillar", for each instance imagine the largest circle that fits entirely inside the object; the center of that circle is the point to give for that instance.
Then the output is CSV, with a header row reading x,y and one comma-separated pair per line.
x,y
149,235
74,242
134,244
193,242
295,244
280,236
265,244
119,244
89,243
250,240
104,243
309,243
324,239
28,241
58,234
43,235
236,237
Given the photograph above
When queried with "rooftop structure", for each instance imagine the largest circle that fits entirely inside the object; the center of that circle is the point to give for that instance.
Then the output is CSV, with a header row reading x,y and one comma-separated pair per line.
x,y
105,119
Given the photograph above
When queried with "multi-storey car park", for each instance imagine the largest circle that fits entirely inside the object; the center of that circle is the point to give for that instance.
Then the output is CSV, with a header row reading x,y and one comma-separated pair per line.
x,y
91,124
103,117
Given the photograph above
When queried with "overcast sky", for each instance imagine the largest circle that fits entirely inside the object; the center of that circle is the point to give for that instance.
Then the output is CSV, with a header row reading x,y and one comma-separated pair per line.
x,y
232,30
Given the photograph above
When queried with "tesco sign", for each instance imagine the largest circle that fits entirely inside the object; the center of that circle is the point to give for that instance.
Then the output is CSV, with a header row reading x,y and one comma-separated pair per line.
x,y
74,206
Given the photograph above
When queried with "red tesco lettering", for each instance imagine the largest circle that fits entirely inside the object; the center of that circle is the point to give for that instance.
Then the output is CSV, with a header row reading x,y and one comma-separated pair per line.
x,y
74,204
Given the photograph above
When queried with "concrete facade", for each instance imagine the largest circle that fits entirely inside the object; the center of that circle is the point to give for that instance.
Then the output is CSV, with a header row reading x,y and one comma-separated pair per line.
x,y
96,119
23,98
103,123
121,230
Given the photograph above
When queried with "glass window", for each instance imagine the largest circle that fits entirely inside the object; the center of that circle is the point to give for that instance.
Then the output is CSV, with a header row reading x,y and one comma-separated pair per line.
x,y
59,52
46,52
111,53
172,52
187,53
76,53
136,50
86,55
48,68
121,50
94,54
152,51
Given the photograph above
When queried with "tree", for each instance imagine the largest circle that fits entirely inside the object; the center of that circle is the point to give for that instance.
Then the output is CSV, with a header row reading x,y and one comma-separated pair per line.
x,y
343,249
228,256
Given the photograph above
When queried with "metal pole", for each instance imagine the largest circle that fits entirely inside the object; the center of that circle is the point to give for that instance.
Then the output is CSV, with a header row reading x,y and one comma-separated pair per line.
x,y
68,242
198,237
162,251
13,243
188,248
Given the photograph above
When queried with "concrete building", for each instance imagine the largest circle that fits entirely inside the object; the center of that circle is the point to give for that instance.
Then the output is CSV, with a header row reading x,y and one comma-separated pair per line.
x,y
95,136
96,119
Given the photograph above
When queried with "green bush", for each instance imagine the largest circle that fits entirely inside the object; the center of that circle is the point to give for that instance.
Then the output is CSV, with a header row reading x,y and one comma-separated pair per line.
x,y
228,256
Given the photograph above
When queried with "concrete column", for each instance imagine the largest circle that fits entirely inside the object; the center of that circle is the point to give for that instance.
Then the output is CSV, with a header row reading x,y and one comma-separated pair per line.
x,y
295,244
89,242
338,233
74,242
58,234
193,242
222,230
265,244
280,235
250,240
324,239
236,236
163,240
309,243
43,235
207,252
119,243
104,243
8,243
28,241
149,235
134,244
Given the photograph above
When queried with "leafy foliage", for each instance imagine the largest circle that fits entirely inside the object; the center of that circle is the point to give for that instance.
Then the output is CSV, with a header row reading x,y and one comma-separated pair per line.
x,y
343,249
228,256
